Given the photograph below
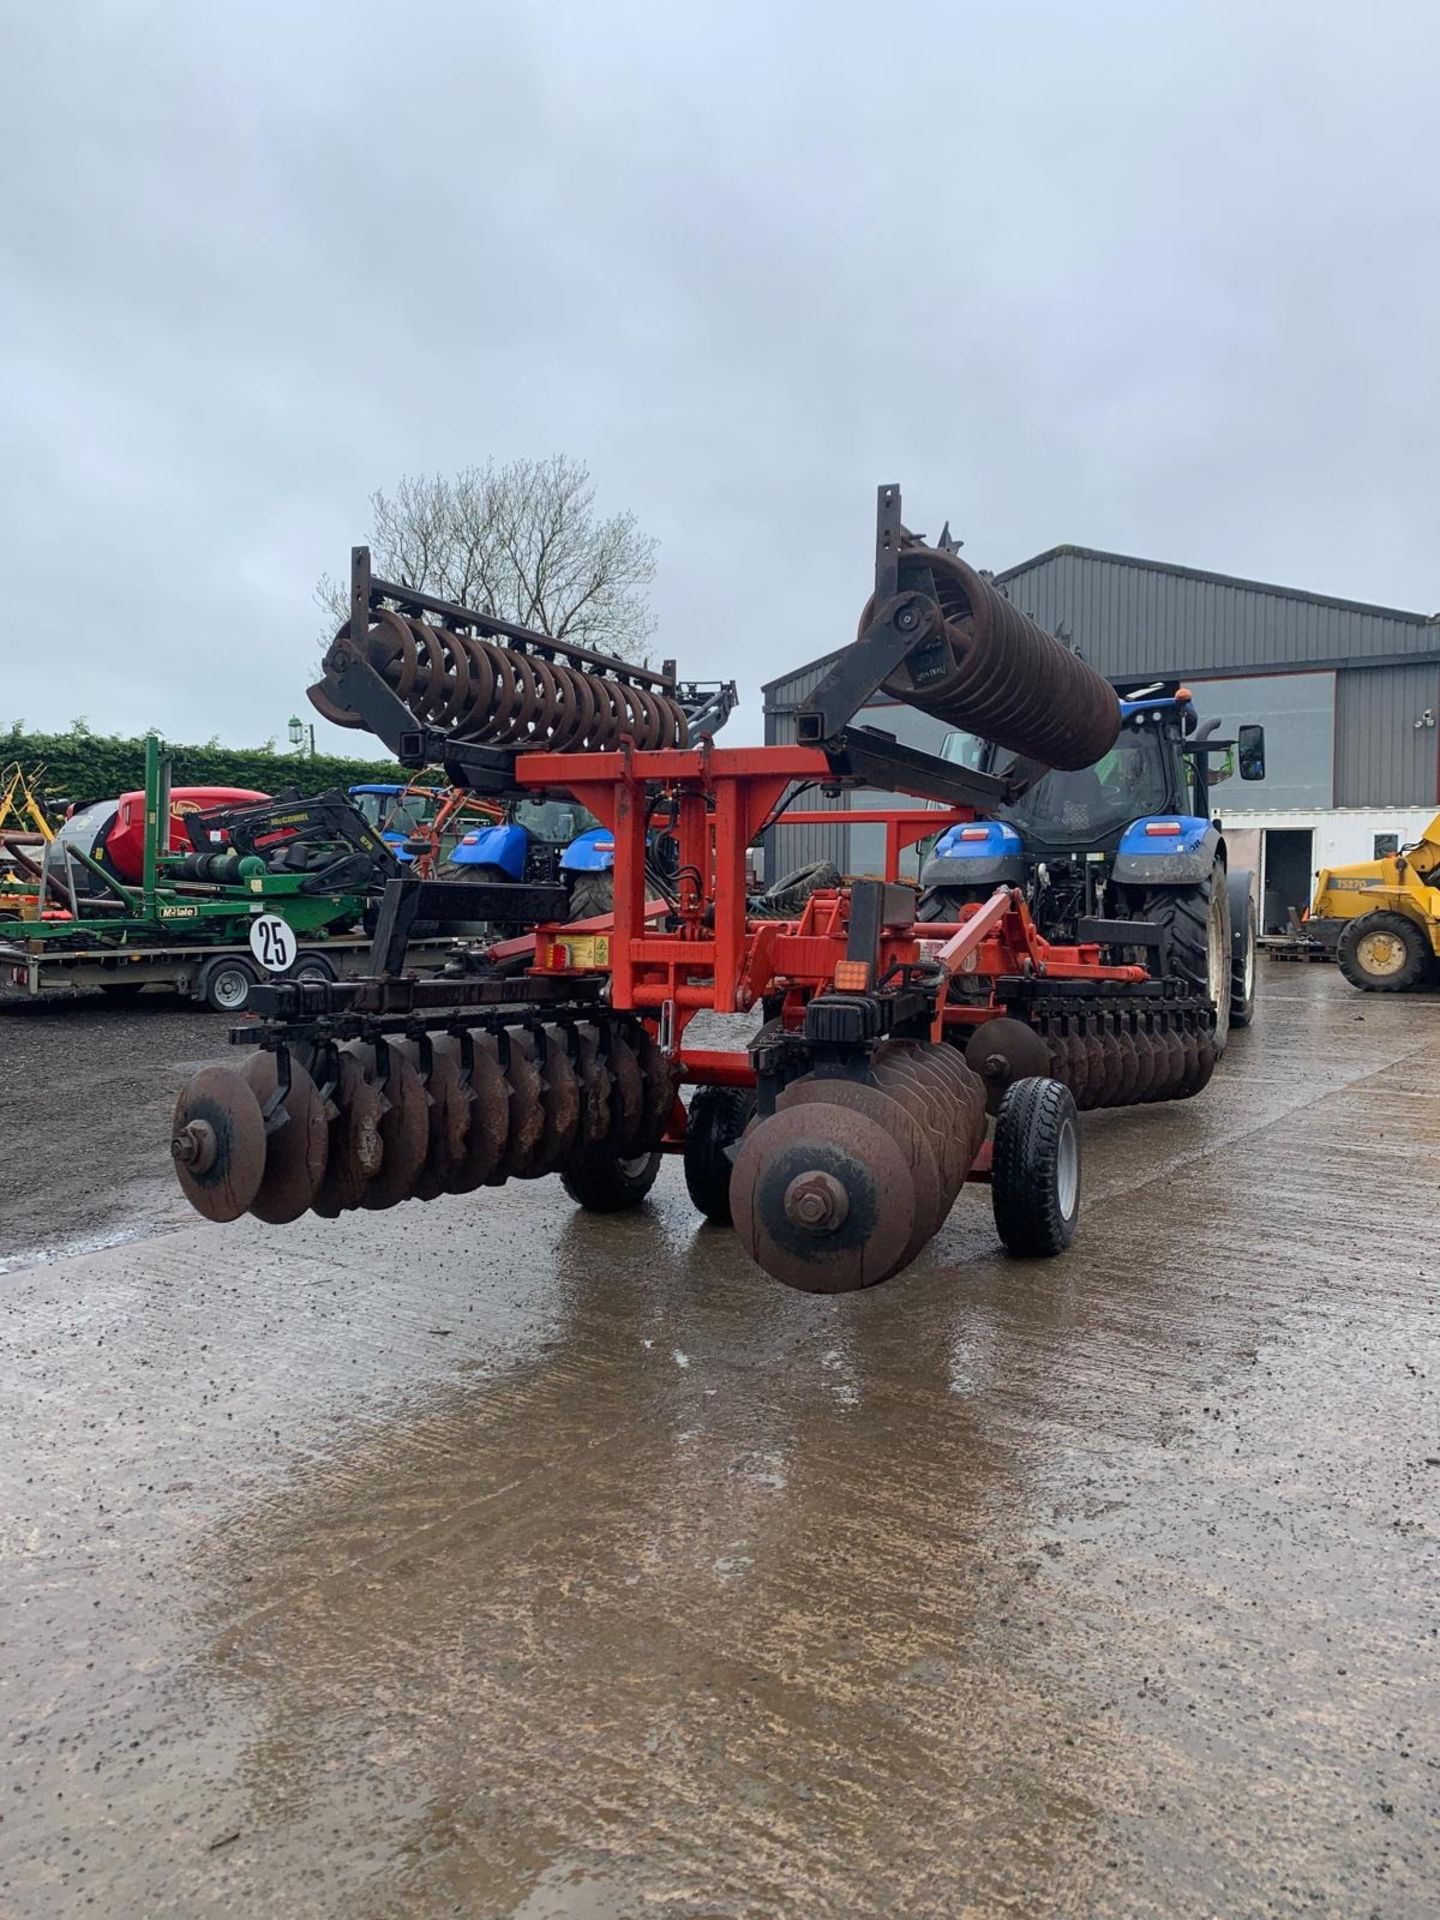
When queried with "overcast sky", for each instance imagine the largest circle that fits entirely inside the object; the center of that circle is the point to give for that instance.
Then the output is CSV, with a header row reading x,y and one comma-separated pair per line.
x,y
1159,278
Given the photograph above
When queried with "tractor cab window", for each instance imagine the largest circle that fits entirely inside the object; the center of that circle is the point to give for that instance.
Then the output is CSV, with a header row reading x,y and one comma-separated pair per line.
x,y
1076,809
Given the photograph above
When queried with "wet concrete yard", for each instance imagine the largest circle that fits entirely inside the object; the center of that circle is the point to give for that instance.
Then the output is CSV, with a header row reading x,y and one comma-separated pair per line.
x,y
485,1558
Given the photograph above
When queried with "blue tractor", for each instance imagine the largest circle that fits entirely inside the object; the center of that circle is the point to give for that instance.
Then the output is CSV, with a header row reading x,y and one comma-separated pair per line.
x,y
1124,852
542,841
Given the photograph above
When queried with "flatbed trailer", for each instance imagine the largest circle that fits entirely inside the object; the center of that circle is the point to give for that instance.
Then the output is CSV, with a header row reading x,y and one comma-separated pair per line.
x,y
27,972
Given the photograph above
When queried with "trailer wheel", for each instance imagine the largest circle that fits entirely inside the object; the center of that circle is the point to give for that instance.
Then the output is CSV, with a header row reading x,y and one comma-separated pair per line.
x,y
592,895
1035,1171
311,966
603,1184
225,984
717,1118
1382,952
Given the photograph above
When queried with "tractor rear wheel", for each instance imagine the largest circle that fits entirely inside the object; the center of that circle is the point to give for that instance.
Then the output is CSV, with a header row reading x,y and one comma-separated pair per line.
x,y
945,903
1198,921
1242,950
1382,952
592,894
716,1119
1035,1169
604,1184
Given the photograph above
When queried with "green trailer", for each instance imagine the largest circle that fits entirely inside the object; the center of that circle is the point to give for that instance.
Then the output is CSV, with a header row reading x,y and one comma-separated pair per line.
x,y
84,928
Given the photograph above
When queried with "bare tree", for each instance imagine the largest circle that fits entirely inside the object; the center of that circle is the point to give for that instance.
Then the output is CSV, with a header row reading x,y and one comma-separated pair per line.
x,y
521,542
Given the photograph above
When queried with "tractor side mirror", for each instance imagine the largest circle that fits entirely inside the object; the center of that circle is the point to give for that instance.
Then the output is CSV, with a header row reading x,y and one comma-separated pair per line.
x,y
1252,753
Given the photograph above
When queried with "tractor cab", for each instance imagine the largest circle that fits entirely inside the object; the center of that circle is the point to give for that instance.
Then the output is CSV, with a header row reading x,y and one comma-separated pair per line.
x,y
1129,840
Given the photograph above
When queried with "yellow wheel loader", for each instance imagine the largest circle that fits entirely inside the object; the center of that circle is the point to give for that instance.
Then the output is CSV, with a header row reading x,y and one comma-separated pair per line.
x,y
1383,916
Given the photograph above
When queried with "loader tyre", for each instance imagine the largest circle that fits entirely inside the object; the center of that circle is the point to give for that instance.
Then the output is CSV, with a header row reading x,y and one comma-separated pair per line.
x,y
1382,952
1035,1170
592,894
1198,919
1242,950
717,1118
604,1183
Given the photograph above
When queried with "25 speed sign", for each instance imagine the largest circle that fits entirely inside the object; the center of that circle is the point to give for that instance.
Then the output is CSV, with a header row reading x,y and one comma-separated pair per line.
x,y
273,942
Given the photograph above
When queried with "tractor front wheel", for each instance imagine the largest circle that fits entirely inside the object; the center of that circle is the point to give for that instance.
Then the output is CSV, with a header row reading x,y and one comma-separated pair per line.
x,y
592,894
1382,952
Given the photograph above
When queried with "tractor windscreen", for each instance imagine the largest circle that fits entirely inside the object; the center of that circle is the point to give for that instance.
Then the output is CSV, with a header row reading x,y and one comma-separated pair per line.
x,y
1079,809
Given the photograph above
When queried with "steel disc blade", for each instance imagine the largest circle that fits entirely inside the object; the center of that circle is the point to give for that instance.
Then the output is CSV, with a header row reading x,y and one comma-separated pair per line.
x,y
355,1151
933,1196
660,1077
1003,1051
844,1153
404,1127
218,1124
628,1104
489,1118
448,1113
527,1110
595,1089
560,1097
296,1140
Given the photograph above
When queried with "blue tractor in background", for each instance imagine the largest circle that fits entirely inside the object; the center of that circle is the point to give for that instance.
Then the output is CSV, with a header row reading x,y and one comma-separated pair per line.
x,y
543,841
1126,844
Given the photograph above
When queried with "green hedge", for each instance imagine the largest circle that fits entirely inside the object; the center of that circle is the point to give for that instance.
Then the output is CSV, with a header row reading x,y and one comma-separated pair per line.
x,y
80,765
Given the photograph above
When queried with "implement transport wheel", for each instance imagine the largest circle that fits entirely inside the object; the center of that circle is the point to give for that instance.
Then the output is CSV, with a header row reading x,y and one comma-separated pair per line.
x,y
225,983
1035,1173
1382,952
717,1118
603,1183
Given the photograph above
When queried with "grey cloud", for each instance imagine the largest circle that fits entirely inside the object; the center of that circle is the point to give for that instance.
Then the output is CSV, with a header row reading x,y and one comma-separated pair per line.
x,y
1162,279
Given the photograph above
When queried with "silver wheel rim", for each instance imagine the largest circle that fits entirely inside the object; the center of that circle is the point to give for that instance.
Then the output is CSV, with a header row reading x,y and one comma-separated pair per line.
x,y
1219,960
230,988
634,1167
1067,1169
1248,974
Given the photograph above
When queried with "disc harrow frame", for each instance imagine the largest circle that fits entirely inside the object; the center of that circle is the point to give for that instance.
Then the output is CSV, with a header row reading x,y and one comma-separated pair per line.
x,y
885,1042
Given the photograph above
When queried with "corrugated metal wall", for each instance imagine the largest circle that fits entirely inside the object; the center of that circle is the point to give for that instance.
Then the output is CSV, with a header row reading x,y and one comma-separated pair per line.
x,y
1381,757
1133,618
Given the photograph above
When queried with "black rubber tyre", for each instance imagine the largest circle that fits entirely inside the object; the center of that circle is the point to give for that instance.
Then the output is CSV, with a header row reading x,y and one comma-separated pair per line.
x,y
225,983
1382,953
1035,1171
311,966
944,903
477,874
604,1184
717,1118
786,899
1242,949
592,894
1199,922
